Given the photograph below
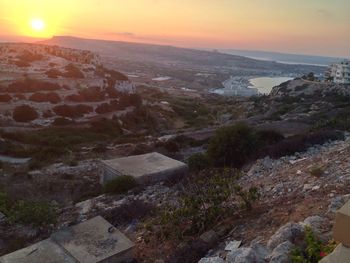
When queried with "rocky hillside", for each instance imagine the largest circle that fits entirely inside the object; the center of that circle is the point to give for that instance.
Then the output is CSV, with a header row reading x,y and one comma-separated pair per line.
x,y
43,85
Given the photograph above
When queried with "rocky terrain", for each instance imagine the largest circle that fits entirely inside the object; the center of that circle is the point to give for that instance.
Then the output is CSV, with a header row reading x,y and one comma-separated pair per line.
x,y
63,110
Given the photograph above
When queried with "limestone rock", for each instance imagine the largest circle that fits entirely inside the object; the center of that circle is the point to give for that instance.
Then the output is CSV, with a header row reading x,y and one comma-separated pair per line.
x,y
232,245
281,253
315,222
254,254
288,232
211,260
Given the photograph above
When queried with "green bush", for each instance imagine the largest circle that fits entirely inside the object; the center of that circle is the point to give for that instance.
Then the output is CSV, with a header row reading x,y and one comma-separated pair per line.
x,y
235,145
313,250
120,185
27,212
207,198
316,171
198,162
34,213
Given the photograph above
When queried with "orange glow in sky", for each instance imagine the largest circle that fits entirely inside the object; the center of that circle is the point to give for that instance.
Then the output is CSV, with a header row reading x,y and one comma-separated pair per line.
x,y
298,26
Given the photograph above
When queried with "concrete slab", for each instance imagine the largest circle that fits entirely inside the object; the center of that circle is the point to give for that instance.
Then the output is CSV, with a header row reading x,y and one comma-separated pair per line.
x,y
146,168
43,252
341,231
95,241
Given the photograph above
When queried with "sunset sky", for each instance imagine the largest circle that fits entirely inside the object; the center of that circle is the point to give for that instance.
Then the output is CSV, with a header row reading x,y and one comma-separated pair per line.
x,y
298,26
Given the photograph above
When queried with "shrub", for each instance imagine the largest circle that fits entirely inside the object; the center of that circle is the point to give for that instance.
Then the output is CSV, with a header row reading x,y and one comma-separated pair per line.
x,y
198,162
313,250
62,122
316,171
53,73
120,185
24,113
92,94
27,212
34,213
5,98
73,71
32,85
76,111
51,97
208,197
235,145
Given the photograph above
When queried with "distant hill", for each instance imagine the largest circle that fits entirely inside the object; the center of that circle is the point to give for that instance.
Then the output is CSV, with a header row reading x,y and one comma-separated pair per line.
x,y
175,57
284,57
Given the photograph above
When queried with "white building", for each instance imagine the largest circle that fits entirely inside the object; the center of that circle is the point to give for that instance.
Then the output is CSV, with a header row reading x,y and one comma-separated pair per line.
x,y
340,72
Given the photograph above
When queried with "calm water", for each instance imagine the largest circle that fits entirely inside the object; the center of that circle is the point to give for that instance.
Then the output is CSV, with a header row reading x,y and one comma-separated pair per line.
x,y
265,84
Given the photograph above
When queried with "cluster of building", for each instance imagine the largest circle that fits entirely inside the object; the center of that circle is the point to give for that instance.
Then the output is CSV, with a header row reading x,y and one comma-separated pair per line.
x,y
339,72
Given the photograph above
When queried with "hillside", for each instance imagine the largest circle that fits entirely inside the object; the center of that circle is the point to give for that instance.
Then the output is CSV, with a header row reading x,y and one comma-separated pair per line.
x,y
186,65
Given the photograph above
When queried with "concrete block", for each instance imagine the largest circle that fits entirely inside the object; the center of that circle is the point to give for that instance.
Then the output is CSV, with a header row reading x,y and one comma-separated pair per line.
x,y
146,169
95,241
43,252
341,232
340,255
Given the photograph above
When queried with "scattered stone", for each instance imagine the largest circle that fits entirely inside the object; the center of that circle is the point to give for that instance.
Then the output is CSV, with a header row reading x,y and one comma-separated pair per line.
x,y
307,187
209,237
232,245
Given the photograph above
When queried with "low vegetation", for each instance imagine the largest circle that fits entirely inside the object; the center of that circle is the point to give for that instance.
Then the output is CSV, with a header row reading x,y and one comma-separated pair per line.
x,y
312,250
27,212
207,198
316,171
236,145
120,185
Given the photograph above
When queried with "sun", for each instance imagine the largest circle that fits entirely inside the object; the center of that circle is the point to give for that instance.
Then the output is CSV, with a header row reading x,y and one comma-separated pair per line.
x,y
37,25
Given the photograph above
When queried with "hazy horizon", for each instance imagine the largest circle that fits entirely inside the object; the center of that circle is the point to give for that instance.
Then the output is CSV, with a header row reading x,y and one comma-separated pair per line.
x,y
311,28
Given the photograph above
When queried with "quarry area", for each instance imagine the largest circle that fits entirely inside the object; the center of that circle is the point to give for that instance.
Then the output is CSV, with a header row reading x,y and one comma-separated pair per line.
x,y
106,159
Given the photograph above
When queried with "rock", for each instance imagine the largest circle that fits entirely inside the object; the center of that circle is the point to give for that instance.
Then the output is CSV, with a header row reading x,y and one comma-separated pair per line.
x,y
317,187
211,260
255,254
337,203
209,237
281,253
307,187
2,217
289,232
232,245
315,222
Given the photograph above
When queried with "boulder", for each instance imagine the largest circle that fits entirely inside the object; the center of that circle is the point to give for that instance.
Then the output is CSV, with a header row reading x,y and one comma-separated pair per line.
x,y
314,222
281,254
254,254
289,232
211,260
337,203
232,245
